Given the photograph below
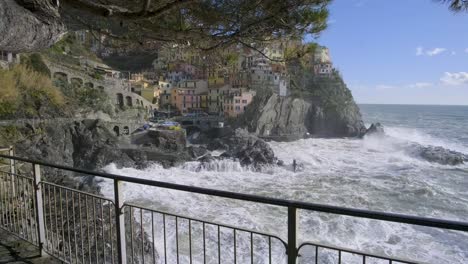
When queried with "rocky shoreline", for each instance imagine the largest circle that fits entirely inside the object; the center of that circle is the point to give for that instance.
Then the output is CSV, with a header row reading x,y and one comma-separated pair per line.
x,y
433,154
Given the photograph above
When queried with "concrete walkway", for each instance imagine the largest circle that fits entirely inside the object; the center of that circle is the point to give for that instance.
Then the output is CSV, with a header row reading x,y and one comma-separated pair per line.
x,y
16,250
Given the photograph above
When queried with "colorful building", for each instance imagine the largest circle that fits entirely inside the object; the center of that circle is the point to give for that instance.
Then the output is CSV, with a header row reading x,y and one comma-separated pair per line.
x,y
321,61
236,102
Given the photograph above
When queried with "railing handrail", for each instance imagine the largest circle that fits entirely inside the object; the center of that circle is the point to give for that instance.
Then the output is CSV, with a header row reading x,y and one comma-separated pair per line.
x,y
376,215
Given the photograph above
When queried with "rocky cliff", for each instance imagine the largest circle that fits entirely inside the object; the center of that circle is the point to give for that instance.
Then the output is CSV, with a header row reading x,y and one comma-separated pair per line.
x,y
319,106
87,144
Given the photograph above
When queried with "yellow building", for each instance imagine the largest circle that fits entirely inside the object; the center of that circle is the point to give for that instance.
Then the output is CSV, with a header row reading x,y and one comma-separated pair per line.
x,y
216,77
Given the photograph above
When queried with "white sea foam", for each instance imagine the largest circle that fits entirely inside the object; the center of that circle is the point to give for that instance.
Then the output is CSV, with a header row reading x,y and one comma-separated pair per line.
x,y
372,174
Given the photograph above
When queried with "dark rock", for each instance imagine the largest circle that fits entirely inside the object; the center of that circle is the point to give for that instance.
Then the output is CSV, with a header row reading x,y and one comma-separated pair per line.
x,y
206,159
375,129
173,140
169,140
29,25
217,144
247,148
280,163
441,155
196,151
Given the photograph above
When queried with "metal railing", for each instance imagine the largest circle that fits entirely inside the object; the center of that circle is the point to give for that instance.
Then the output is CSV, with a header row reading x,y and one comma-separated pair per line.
x,y
82,227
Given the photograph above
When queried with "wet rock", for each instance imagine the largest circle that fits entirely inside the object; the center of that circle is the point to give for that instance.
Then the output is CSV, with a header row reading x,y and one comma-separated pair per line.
x,y
217,144
206,159
196,151
375,129
247,148
441,155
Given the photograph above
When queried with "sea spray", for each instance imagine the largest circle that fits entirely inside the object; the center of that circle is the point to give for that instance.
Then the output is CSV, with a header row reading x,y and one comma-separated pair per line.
x,y
373,173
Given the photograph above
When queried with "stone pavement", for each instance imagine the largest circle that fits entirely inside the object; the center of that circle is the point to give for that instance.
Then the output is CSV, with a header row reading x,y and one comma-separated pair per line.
x,y
16,250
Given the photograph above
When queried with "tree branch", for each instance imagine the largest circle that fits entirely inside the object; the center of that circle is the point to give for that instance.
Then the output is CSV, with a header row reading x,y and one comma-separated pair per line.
x,y
120,12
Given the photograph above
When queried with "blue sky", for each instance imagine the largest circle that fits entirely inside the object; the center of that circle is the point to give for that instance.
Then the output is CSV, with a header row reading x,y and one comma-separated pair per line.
x,y
400,51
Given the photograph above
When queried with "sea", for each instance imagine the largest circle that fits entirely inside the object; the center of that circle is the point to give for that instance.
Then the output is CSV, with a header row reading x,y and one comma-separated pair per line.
x,y
375,173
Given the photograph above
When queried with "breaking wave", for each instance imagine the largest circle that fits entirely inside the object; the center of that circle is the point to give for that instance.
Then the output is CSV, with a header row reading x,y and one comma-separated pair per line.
x,y
372,173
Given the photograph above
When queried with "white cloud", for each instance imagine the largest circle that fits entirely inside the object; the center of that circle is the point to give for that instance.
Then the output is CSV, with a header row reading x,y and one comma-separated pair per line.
x,y
419,51
466,50
381,87
454,53
455,78
435,51
420,85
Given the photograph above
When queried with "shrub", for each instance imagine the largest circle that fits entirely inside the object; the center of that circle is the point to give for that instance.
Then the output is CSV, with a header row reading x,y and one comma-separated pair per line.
x,y
36,63
27,93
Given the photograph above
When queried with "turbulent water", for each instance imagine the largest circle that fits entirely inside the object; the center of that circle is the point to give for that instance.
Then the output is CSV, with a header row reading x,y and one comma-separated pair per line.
x,y
373,173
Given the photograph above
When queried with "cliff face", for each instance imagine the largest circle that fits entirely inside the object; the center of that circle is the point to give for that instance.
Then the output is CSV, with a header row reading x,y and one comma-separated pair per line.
x,y
29,25
322,107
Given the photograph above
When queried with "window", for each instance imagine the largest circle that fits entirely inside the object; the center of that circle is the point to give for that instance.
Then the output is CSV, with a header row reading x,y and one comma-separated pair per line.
x,y
245,107
237,101
244,101
237,108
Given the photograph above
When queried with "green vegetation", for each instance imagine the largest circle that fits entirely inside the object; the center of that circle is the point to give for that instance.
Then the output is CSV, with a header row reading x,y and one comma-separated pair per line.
x,y
85,98
36,63
69,51
207,25
8,135
25,93
329,91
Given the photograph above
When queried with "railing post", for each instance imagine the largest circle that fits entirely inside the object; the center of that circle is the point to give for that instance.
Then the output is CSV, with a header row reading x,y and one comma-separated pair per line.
x,y
120,223
39,207
12,170
292,235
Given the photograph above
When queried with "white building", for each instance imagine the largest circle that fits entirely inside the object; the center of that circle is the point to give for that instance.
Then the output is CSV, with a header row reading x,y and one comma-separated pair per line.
x,y
7,58
321,61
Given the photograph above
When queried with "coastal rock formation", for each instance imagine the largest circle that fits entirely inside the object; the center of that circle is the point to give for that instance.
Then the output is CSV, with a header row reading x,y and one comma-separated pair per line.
x,y
246,147
441,155
375,129
84,144
165,139
435,154
323,108
197,151
89,144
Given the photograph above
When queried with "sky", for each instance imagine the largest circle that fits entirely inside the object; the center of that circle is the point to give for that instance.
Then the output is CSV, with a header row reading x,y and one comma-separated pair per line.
x,y
399,51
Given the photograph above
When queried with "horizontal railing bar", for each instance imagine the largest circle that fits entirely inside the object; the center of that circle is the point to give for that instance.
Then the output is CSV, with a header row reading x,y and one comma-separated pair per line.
x,y
17,175
76,191
353,252
206,222
18,236
390,217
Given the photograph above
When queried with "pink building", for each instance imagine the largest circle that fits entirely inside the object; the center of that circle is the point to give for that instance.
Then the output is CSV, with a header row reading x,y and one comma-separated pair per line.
x,y
186,99
236,102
